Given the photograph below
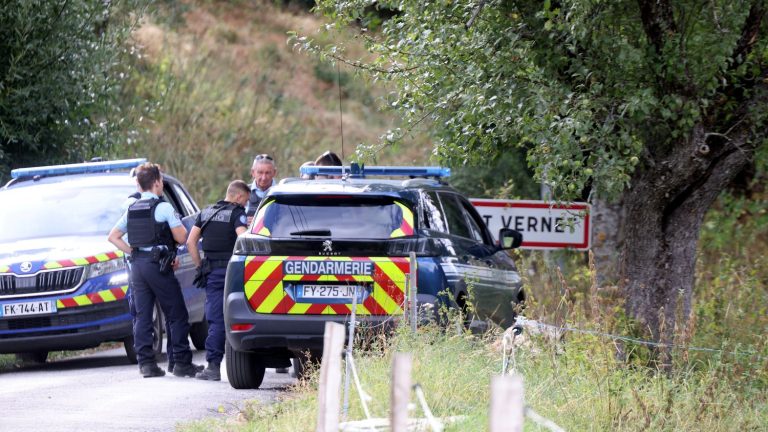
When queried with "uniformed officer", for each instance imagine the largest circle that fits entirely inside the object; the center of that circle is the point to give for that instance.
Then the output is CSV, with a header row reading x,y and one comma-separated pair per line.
x,y
218,225
153,231
132,198
263,172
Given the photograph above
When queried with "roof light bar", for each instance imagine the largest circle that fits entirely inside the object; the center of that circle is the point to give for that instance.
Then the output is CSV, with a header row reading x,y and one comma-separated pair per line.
x,y
361,171
79,168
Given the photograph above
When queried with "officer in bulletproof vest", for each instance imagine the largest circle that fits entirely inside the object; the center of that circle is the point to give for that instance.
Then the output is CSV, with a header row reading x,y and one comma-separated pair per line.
x,y
132,198
154,230
218,225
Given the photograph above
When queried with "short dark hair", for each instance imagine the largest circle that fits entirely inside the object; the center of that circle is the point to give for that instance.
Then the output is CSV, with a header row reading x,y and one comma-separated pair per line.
x,y
147,174
238,186
328,158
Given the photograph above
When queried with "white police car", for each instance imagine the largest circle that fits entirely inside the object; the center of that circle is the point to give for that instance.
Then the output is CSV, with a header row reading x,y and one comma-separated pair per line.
x,y
63,286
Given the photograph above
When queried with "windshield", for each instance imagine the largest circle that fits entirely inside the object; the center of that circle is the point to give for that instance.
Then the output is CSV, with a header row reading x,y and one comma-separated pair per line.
x,y
60,209
340,217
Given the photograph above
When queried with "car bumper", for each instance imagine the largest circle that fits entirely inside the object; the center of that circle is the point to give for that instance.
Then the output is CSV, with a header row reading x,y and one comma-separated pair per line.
x,y
293,332
69,329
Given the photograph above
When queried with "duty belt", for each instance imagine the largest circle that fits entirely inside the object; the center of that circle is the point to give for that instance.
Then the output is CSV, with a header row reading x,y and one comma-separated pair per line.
x,y
218,263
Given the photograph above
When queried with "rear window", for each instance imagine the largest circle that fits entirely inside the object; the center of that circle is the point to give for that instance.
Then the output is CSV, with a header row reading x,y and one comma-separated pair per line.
x,y
336,216
60,209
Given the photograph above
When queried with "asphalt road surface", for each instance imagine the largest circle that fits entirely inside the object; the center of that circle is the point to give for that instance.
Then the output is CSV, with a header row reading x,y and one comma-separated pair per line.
x,y
103,392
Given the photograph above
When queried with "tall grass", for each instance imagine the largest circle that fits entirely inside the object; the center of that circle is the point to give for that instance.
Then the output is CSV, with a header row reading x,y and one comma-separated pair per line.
x,y
226,86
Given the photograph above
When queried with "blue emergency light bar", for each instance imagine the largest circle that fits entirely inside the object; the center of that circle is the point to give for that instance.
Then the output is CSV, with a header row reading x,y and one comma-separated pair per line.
x,y
361,171
79,168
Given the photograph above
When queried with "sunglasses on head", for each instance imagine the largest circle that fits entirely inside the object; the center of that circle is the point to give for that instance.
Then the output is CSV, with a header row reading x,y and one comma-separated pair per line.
x,y
264,156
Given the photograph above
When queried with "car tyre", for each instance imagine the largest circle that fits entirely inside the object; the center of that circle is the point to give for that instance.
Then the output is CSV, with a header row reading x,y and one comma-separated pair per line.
x,y
244,369
198,332
130,350
34,357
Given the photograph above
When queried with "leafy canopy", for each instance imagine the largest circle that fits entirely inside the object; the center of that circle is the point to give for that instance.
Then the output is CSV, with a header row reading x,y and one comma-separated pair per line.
x,y
576,83
61,73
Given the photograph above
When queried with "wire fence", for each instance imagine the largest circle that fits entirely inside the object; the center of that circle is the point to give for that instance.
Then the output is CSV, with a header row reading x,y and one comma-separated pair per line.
x,y
524,322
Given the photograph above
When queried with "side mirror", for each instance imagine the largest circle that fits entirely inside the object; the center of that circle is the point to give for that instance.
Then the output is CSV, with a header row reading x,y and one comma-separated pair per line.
x,y
510,239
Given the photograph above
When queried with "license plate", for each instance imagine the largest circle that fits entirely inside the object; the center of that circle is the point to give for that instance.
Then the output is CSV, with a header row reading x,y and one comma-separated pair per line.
x,y
328,291
28,308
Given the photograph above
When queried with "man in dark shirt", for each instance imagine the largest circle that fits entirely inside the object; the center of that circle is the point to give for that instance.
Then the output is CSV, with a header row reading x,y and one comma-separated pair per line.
x,y
218,225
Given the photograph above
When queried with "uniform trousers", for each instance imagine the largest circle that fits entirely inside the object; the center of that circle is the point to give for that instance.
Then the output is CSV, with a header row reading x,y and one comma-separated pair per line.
x,y
214,312
149,285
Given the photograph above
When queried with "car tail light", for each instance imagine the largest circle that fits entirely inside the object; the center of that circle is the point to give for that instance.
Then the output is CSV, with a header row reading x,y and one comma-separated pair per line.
x,y
241,327
251,245
402,247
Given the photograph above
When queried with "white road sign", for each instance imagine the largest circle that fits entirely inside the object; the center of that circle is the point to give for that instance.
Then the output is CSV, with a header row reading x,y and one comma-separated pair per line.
x,y
544,225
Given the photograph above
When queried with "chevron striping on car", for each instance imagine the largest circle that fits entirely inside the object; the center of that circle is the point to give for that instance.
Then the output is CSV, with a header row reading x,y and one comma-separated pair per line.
x,y
266,282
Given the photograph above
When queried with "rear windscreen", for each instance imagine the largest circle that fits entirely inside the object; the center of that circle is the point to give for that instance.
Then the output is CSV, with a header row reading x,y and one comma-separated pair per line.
x,y
336,216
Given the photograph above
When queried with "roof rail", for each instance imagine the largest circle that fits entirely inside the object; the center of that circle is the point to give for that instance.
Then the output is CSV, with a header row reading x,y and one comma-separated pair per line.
x,y
361,171
79,168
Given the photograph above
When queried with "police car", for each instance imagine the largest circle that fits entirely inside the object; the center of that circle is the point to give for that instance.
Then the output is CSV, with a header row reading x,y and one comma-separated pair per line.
x,y
63,286
318,248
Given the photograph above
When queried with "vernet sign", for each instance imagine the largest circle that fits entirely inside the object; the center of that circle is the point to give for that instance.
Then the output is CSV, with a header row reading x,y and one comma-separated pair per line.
x,y
544,225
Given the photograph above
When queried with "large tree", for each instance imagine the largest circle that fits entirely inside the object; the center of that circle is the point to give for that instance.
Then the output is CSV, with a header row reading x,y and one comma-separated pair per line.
x,y
60,78
653,103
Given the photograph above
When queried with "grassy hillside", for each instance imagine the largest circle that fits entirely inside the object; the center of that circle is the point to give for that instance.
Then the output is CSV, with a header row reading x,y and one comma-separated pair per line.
x,y
227,86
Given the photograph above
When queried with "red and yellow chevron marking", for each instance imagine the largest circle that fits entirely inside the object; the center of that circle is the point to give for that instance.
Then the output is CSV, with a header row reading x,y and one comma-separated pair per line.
x,y
83,261
258,226
104,296
265,291
406,228
4,269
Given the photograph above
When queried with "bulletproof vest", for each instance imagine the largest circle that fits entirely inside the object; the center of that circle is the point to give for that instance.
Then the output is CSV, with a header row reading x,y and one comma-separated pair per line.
x,y
218,233
143,230
253,202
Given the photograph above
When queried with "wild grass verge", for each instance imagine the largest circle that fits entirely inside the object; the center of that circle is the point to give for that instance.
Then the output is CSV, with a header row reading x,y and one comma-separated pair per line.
x,y
575,382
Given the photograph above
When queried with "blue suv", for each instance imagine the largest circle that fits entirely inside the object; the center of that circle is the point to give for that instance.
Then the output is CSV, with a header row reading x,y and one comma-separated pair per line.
x,y
63,286
316,249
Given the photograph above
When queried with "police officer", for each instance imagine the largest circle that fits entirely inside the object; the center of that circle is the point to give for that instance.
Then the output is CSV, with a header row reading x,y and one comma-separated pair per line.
x,y
132,198
219,225
153,231
263,171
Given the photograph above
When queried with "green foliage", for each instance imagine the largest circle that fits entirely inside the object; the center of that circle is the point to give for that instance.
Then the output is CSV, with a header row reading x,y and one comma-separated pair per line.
x,y
62,65
575,84
506,178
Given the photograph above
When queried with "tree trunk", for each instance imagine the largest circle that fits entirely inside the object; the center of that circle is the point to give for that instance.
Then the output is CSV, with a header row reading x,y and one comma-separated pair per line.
x,y
606,228
664,209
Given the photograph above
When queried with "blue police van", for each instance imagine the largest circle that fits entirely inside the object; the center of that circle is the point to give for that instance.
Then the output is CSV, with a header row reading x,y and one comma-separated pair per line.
x,y
317,249
63,286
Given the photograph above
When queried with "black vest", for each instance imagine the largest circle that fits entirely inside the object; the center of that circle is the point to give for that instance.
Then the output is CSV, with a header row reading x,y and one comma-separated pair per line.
x,y
143,231
218,233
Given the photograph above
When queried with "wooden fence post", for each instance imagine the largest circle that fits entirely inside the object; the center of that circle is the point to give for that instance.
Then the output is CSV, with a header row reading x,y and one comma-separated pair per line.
x,y
330,379
401,392
507,404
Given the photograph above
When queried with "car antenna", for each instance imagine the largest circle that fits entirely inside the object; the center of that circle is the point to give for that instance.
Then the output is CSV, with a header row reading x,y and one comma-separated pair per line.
x,y
341,114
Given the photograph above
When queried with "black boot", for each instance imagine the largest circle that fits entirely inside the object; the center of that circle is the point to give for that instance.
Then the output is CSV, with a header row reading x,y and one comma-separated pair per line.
x,y
211,373
186,370
150,370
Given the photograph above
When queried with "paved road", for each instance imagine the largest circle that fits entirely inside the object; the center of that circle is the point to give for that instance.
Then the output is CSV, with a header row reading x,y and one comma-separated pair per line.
x,y
102,392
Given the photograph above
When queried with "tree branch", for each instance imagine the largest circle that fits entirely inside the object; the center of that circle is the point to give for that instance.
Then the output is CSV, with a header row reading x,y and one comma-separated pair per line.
x,y
749,33
658,21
